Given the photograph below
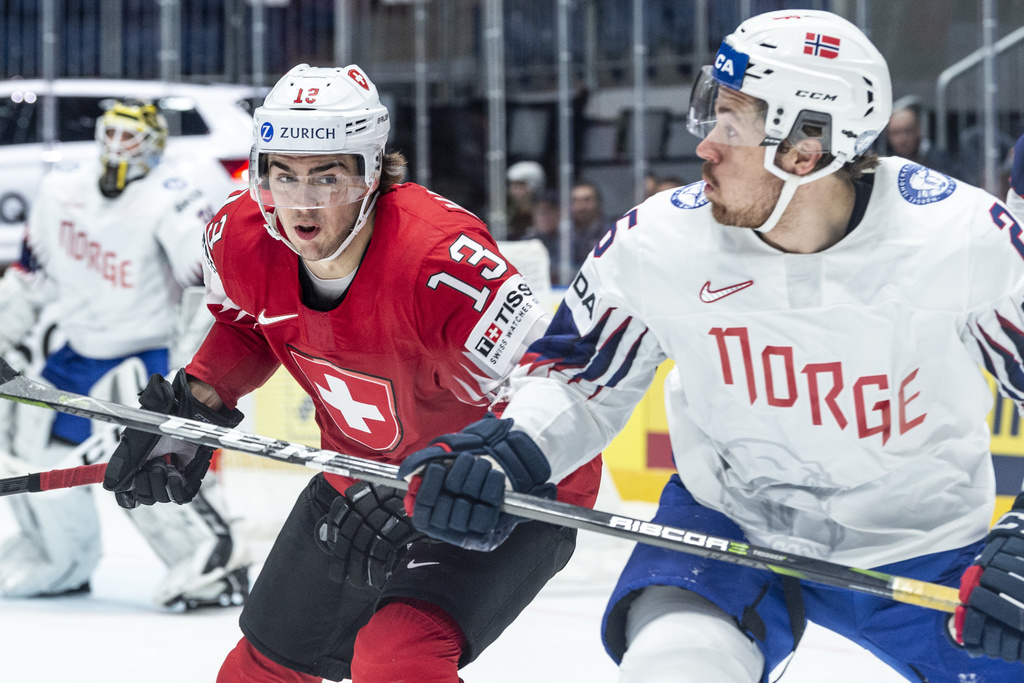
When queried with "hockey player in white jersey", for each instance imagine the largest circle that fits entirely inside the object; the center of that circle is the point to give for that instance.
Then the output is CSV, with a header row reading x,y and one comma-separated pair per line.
x,y
110,248
1015,195
828,314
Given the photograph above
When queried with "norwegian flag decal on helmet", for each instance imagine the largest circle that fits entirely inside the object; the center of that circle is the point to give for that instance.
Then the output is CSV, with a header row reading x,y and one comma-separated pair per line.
x,y
820,45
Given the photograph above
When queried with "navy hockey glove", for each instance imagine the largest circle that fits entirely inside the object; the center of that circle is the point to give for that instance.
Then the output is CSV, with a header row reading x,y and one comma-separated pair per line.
x,y
146,468
462,478
366,534
991,621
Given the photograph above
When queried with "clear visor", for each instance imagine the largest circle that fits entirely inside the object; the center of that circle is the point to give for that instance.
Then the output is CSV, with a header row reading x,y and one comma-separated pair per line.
x,y
310,182
729,117
726,116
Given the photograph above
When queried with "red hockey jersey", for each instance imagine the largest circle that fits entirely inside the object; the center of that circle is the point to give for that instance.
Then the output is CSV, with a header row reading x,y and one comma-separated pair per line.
x,y
426,333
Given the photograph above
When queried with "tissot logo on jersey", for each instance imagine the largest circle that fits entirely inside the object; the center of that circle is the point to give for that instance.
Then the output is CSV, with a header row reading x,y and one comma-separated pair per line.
x,y
503,326
362,406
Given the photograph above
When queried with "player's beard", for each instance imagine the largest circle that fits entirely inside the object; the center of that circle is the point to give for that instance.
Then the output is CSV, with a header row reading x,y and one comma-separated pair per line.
x,y
761,197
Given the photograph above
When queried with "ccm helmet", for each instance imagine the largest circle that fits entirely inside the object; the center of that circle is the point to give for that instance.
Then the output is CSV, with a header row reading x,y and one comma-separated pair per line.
x,y
131,135
816,74
316,111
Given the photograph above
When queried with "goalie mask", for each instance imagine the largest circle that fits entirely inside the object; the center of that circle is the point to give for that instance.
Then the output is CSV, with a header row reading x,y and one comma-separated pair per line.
x,y
806,74
131,135
324,113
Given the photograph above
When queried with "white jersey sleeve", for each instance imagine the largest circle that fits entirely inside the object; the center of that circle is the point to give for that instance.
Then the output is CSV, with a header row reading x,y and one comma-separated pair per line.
x,y
180,230
1015,195
579,384
816,399
1015,203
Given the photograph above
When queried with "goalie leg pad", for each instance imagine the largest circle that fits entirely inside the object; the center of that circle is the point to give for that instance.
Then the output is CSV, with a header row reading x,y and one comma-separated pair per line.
x,y
409,640
207,564
676,636
30,440
58,546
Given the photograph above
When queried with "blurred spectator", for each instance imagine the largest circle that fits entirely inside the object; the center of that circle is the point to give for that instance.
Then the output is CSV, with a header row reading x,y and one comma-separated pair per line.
x,y
526,181
1015,195
668,182
588,221
650,184
904,139
653,183
546,216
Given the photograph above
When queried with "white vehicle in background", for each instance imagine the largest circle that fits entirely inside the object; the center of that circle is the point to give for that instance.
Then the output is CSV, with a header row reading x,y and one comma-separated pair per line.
x,y
211,123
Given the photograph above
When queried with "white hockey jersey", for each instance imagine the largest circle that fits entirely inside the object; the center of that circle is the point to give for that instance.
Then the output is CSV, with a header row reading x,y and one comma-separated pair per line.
x,y
116,267
1015,203
830,403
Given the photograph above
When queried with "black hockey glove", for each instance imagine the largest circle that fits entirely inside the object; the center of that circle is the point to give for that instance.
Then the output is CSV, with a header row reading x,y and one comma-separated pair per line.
x,y
992,590
366,534
458,485
146,468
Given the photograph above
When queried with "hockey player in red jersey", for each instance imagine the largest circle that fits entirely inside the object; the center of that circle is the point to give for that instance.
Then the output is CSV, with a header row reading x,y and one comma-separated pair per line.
x,y
393,309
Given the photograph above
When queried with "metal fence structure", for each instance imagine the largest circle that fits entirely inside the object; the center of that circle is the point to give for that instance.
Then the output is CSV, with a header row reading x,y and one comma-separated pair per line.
x,y
592,89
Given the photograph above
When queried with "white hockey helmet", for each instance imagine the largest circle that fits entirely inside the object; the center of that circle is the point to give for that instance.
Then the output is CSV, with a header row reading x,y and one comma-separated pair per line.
x,y
315,111
818,75
132,135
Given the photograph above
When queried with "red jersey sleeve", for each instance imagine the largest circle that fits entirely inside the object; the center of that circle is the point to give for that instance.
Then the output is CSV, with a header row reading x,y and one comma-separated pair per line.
x,y
476,311
234,358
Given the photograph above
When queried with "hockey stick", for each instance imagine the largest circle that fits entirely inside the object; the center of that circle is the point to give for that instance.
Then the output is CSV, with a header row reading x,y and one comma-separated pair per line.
x,y
19,388
54,479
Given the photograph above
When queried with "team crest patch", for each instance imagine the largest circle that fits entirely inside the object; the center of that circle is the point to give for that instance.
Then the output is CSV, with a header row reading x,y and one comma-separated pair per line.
x,y
362,406
690,197
920,185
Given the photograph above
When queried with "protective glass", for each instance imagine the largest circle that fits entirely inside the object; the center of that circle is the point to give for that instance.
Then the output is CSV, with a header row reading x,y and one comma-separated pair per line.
x,y
725,116
284,184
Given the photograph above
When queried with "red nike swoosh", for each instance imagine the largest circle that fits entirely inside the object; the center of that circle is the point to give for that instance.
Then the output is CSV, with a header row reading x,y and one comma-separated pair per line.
x,y
710,296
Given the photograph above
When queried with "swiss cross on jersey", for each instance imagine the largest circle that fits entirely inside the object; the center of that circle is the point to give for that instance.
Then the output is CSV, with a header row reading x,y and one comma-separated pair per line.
x,y
361,406
820,45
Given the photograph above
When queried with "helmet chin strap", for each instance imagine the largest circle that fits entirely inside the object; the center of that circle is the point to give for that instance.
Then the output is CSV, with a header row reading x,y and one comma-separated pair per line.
x,y
369,201
790,184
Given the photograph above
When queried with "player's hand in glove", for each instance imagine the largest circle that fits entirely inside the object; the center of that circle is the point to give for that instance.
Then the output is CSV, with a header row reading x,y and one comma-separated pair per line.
x,y
458,482
146,468
366,534
991,621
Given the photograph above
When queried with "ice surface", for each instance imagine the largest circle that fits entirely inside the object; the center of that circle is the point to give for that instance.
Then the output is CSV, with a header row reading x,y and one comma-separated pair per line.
x,y
118,631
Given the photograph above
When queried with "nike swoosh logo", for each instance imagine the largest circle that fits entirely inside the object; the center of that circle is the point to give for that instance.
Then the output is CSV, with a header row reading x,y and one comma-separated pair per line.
x,y
413,564
710,296
263,319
